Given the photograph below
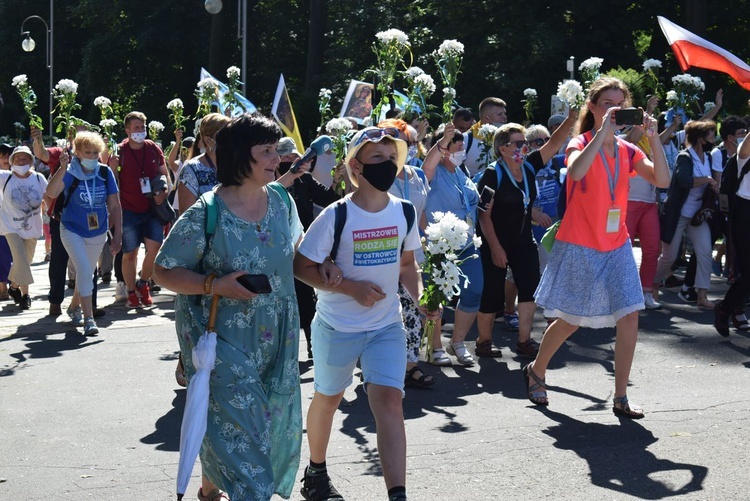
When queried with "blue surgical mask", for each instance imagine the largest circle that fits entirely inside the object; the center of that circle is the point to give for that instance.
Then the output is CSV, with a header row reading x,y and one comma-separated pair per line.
x,y
89,164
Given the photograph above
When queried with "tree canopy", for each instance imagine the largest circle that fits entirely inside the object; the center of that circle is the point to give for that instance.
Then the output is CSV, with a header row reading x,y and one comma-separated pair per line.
x,y
142,54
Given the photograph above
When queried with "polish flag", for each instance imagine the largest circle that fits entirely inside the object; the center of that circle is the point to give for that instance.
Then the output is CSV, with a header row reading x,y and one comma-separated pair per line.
x,y
692,50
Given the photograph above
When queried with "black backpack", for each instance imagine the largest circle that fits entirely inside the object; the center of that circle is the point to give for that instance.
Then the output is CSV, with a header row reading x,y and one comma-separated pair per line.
x,y
730,181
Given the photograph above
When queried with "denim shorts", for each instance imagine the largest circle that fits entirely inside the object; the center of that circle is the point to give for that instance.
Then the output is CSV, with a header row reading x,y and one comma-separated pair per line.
x,y
137,227
382,354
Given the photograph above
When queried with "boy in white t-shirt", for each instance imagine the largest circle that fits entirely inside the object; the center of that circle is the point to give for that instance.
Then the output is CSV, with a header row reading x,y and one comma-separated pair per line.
x,y
358,315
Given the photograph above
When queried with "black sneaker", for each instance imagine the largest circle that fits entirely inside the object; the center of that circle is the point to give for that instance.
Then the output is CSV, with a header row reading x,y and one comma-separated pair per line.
x,y
15,293
25,302
673,281
154,286
319,488
689,296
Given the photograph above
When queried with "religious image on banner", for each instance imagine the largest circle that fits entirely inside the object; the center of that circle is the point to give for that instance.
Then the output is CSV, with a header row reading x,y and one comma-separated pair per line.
x,y
284,114
358,101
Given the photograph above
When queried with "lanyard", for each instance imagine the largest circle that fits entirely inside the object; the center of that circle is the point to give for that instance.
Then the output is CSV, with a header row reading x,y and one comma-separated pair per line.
x,y
461,189
405,190
525,191
612,181
93,191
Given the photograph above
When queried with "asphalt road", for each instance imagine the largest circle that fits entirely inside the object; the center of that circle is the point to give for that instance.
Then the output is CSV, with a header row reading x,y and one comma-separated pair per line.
x,y
98,417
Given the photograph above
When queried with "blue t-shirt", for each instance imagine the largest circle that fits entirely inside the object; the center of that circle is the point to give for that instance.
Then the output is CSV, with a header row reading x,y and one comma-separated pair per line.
x,y
89,197
453,192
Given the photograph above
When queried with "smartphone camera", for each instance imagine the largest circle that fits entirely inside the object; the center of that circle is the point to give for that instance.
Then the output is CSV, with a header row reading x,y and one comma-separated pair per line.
x,y
629,116
485,198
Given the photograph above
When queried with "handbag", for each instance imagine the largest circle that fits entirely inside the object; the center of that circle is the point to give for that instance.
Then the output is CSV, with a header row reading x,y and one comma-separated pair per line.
x,y
163,212
709,206
548,239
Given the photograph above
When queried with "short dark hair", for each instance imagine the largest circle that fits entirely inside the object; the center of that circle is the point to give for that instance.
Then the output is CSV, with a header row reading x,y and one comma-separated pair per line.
x,y
234,143
464,114
489,102
730,125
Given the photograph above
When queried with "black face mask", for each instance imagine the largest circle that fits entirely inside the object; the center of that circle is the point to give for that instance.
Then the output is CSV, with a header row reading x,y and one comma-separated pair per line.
x,y
380,175
284,167
709,145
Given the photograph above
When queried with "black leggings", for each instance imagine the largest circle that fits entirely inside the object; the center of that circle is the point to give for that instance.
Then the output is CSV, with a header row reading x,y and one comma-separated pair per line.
x,y
739,228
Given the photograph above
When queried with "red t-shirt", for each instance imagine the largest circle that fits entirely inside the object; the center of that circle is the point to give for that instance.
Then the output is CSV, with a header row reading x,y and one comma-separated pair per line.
x,y
589,200
134,165
53,163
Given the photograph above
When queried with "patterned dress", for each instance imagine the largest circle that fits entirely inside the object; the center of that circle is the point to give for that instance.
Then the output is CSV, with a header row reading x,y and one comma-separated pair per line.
x,y
252,444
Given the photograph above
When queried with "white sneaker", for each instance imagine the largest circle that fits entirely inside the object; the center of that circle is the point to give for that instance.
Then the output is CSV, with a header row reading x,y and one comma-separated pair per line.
x,y
121,292
650,302
90,328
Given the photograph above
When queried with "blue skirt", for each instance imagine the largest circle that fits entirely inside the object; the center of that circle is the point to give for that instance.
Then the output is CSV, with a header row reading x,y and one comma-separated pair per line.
x,y
590,288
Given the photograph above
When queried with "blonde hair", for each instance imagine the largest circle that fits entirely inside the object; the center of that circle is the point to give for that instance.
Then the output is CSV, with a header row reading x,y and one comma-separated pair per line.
x,y
213,123
586,120
86,139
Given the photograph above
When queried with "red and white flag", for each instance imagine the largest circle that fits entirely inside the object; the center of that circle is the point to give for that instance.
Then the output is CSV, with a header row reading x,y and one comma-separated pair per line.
x,y
692,50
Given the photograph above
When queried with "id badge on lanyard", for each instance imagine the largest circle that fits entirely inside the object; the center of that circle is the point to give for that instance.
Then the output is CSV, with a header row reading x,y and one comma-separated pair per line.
x,y
614,213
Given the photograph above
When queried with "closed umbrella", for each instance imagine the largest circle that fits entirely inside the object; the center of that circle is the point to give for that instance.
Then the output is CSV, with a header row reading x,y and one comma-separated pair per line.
x,y
195,416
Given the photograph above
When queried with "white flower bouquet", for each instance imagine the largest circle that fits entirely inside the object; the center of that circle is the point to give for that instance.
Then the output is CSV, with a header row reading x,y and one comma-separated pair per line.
x,y
21,83
108,132
154,129
688,89
390,48
486,134
570,92
65,93
177,115
590,70
443,243
448,58
230,98
206,91
651,70
341,130
324,105
420,87
529,103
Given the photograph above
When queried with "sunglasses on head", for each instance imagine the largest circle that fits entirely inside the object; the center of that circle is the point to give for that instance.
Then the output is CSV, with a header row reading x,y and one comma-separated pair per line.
x,y
375,135
540,141
517,144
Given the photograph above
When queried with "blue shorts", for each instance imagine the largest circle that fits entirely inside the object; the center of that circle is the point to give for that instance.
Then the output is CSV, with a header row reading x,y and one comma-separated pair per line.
x,y
137,227
382,354
470,296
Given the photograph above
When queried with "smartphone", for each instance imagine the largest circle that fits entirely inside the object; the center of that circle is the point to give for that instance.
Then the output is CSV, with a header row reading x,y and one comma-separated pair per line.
x,y
629,116
485,198
257,284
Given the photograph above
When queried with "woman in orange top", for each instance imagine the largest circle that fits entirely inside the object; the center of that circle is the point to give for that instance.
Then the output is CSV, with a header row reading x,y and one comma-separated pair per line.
x,y
592,279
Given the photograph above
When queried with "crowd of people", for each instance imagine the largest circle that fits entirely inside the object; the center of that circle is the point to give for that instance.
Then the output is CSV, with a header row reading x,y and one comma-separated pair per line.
x,y
334,251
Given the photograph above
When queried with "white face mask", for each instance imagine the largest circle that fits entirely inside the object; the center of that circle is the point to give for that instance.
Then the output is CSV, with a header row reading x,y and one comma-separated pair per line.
x,y
458,157
21,170
138,137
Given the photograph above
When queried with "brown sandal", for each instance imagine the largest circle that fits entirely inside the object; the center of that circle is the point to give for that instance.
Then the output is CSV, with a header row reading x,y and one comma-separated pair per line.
x,y
215,495
528,348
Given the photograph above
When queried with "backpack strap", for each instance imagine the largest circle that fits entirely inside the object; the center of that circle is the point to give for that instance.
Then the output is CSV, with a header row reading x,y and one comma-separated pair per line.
x,y
338,226
212,215
6,183
469,141
279,188
410,213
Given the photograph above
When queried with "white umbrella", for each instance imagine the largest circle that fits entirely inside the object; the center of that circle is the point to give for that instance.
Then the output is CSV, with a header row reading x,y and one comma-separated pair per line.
x,y
195,416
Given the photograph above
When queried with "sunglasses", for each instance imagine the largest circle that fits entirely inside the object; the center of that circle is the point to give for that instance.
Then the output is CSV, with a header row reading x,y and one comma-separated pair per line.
x,y
375,135
518,144
540,141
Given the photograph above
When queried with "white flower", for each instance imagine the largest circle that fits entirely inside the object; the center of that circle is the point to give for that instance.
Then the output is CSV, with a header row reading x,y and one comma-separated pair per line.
x,y
651,63
414,72
450,48
338,126
107,123
19,80
425,82
156,126
61,143
592,63
477,242
67,86
207,83
19,125
529,93
708,105
325,92
671,95
233,72
175,104
689,82
570,92
449,92
392,35
487,132
102,102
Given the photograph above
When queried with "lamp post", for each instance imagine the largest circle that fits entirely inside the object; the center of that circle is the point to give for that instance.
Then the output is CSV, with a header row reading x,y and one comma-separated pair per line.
x,y
28,44
571,66
214,7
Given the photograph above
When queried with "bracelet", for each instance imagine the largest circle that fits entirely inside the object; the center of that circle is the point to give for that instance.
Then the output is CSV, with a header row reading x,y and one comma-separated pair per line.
x,y
208,285
213,282
440,148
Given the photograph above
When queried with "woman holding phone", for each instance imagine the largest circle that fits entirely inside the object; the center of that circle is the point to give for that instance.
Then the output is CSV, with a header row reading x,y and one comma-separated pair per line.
x,y
592,279
505,228
254,388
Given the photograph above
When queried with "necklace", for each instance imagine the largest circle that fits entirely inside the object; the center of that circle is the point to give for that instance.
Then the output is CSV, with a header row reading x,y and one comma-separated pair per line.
x,y
252,214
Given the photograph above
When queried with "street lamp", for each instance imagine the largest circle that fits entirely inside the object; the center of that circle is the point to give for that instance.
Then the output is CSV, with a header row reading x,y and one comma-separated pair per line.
x,y
214,7
28,44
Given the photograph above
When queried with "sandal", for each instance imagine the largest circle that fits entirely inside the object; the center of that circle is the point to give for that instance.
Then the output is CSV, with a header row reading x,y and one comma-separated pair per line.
x,y
537,391
459,351
215,495
412,381
487,349
528,348
626,410
739,320
179,376
439,358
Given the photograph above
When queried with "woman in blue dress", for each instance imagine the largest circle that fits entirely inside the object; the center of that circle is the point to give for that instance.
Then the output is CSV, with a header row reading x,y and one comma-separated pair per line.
x,y
252,444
